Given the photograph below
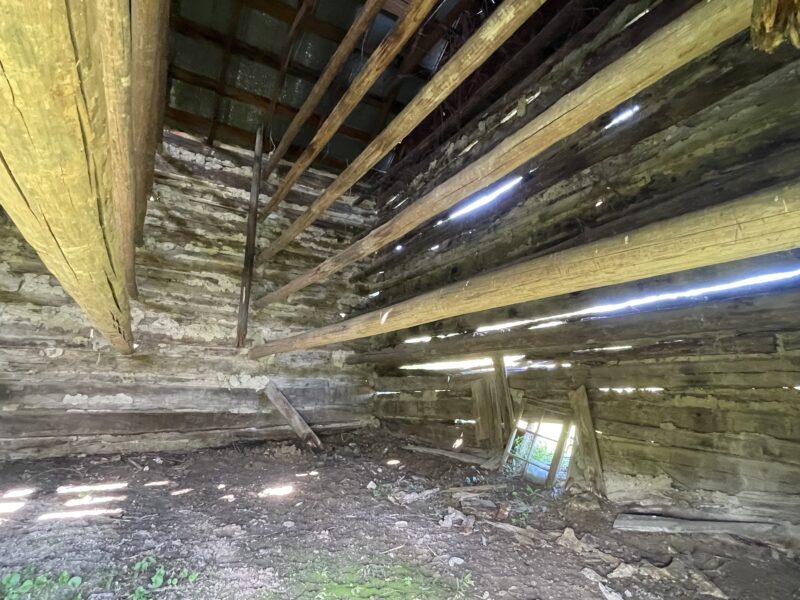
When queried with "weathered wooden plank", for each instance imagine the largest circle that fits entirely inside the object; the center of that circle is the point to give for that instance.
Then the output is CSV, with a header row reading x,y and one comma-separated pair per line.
x,y
149,32
250,243
688,37
586,456
763,222
44,447
503,22
380,59
775,21
298,424
56,180
657,524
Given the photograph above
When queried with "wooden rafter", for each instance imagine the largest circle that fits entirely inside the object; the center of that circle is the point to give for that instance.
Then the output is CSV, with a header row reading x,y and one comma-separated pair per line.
x,y
335,64
149,33
496,30
381,58
194,30
55,174
760,223
691,35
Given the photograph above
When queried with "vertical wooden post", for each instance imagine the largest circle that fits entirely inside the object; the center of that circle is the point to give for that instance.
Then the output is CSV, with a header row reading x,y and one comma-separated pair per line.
x,y
250,243
504,400
586,458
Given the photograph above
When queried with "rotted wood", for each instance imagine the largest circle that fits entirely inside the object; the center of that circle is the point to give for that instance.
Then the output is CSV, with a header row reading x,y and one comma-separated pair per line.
x,y
250,242
586,456
380,59
298,424
503,393
149,33
694,33
55,180
760,223
492,34
775,21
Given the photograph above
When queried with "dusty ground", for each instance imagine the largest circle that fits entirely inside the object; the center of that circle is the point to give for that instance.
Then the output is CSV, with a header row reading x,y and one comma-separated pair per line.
x,y
359,521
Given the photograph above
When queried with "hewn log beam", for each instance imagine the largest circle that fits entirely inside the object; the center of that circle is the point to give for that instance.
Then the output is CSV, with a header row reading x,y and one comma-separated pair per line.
x,y
149,32
335,64
391,45
55,167
492,34
114,29
761,223
693,34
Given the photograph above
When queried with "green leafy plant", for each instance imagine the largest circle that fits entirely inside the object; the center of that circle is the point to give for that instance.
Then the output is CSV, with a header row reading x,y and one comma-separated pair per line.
x,y
30,584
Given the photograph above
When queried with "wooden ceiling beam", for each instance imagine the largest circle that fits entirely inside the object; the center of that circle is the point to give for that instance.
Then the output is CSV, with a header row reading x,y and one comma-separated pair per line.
x,y
306,111
56,172
492,34
694,33
189,28
380,59
761,223
261,102
149,34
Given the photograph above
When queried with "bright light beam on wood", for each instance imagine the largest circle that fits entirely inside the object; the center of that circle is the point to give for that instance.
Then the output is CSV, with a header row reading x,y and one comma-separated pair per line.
x,y
761,223
693,34
492,34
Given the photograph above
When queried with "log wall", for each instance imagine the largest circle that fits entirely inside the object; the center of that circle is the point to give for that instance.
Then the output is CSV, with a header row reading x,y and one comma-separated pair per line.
x,y
63,390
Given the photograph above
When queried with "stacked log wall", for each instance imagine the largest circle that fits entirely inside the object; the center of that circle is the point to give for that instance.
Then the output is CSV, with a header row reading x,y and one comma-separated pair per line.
x,y
64,391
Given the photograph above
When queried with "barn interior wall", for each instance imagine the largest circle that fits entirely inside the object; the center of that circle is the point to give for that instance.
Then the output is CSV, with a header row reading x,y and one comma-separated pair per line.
x,y
64,391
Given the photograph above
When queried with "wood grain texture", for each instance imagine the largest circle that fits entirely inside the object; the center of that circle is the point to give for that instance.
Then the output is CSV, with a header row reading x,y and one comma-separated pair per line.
x,y
480,46
56,176
296,422
114,31
586,464
380,59
691,35
149,32
768,221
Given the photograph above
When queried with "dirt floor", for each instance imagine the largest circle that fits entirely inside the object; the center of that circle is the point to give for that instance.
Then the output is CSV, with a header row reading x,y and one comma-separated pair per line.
x,y
365,519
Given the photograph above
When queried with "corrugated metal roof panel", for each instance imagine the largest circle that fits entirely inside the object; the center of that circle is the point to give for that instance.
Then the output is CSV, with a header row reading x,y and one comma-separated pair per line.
x,y
262,31
252,76
196,56
192,99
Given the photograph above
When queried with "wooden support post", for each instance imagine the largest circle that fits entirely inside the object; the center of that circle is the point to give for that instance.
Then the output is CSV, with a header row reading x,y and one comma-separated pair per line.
x,y
250,243
55,172
558,453
497,29
503,392
300,427
114,31
586,457
369,74
691,35
149,32
489,424
760,223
